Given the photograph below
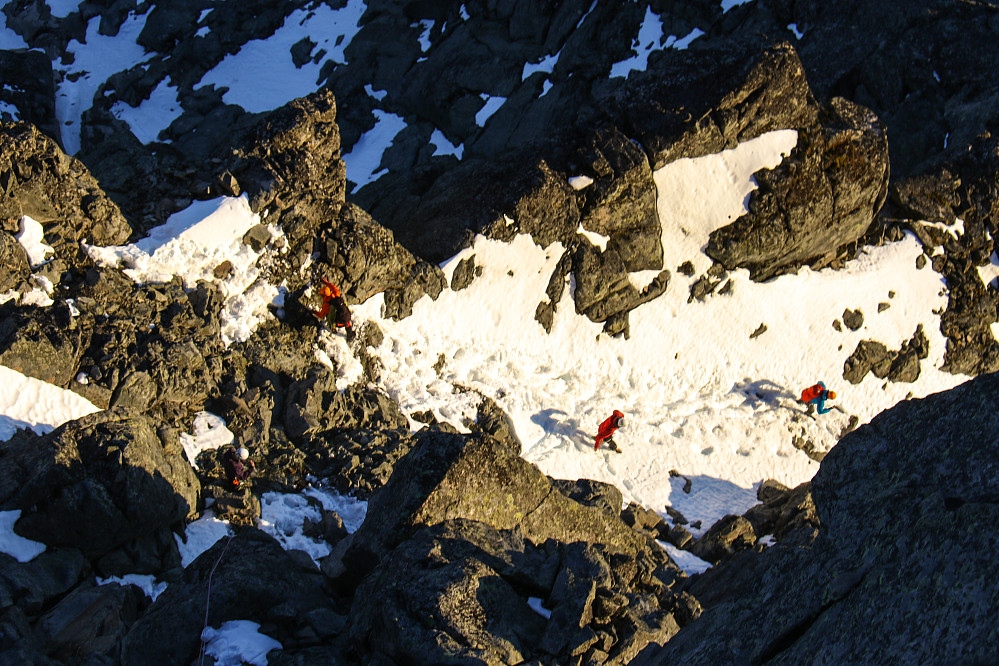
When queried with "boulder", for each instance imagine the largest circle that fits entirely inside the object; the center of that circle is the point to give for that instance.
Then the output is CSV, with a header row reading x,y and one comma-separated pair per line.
x,y
252,578
604,496
699,102
42,346
727,536
822,197
90,622
18,642
35,585
357,461
447,594
366,260
96,483
475,477
904,514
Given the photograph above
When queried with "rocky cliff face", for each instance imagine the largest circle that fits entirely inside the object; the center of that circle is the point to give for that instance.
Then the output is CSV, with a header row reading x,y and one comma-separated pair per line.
x,y
904,506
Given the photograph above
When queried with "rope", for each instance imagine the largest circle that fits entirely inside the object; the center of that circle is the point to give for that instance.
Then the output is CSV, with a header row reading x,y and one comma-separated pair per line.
x,y
208,600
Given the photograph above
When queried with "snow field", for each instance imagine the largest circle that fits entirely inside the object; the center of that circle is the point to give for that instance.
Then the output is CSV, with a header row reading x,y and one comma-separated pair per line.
x,y
699,395
191,244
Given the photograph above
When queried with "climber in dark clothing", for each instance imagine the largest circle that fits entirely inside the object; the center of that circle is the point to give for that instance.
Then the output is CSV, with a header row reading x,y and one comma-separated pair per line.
x,y
237,466
334,309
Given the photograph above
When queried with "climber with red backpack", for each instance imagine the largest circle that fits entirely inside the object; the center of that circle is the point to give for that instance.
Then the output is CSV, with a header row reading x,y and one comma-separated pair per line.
x,y
815,396
607,429
334,309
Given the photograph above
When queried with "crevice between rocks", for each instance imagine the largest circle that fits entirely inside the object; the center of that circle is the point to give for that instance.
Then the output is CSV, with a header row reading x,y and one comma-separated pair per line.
x,y
796,631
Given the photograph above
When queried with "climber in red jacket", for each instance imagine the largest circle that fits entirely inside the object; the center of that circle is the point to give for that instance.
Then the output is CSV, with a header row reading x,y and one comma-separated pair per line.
x,y
606,432
334,309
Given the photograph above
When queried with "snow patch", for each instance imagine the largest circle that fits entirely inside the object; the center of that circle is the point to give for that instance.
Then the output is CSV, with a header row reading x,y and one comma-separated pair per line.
x,y
283,516
491,106
364,159
15,545
690,564
145,582
192,244
598,240
32,239
153,115
262,76
238,642
31,403
200,535
210,432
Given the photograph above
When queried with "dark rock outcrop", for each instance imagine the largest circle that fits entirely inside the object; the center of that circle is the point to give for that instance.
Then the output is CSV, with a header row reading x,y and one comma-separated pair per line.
x,y
254,579
897,366
14,266
26,83
904,514
822,197
58,191
90,622
97,483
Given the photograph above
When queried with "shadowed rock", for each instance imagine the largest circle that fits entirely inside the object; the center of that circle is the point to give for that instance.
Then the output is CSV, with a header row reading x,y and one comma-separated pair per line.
x,y
97,482
905,505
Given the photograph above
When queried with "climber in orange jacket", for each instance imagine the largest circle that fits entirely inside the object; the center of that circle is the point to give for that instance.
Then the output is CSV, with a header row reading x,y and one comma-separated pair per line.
x,y
606,431
816,396
334,309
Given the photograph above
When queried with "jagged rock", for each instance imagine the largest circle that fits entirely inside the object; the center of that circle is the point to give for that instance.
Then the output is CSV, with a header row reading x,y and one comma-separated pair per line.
x,y
464,273
869,356
872,579
449,476
42,346
873,356
932,197
492,420
727,96
90,622
728,535
823,196
239,507
367,260
14,267
97,482
33,586
56,190
782,511
447,593
771,489
604,496
147,554
358,461
254,579
315,404
621,202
